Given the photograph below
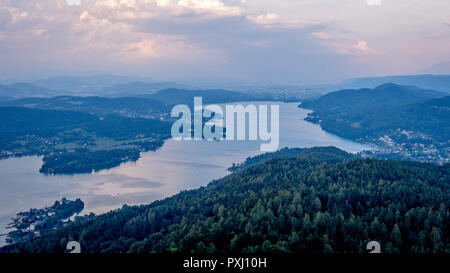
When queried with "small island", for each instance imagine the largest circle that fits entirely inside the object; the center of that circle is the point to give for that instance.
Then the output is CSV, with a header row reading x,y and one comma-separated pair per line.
x,y
36,222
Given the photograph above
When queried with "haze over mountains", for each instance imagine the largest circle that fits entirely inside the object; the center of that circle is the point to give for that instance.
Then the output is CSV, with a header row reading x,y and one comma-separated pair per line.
x,y
20,90
120,86
83,84
127,106
107,85
428,81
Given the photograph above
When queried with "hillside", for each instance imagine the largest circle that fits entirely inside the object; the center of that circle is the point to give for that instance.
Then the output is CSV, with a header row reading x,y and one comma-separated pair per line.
x,y
75,142
404,122
328,154
359,102
126,106
290,205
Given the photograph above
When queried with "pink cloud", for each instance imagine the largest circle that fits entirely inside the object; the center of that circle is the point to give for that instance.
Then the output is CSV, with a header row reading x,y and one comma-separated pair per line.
x,y
362,45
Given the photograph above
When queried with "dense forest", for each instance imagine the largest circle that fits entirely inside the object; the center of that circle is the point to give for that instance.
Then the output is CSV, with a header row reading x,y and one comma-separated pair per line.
x,y
329,154
357,113
284,205
404,122
77,142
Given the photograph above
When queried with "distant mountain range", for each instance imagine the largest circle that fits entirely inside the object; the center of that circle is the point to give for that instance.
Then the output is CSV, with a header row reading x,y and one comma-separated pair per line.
x,y
88,85
20,90
182,96
71,86
427,81
128,106
138,88
121,86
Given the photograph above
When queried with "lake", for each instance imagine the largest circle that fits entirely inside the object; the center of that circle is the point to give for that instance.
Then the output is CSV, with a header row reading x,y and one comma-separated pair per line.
x,y
174,167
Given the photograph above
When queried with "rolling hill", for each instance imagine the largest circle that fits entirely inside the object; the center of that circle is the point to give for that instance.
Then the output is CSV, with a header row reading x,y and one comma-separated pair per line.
x,y
405,122
427,81
128,106
74,142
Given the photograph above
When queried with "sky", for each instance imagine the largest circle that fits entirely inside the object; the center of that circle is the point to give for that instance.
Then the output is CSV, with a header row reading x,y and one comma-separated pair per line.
x,y
245,41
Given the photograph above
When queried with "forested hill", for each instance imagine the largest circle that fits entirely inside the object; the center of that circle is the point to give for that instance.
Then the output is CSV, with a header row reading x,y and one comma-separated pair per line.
x,y
283,205
74,142
328,154
358,102
404,122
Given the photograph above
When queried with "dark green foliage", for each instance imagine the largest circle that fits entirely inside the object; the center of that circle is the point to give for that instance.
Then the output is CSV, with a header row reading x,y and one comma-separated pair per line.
x,y
431,117
18,121
404,122
358,102
119,128
68,140
85,161
329,154
283,206
360,113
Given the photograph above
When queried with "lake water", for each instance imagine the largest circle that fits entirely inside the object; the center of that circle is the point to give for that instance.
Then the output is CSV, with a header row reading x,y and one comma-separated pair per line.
x,y
174,167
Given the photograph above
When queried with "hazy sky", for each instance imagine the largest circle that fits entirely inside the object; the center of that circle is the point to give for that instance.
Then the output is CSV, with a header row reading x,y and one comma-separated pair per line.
x,y
252,41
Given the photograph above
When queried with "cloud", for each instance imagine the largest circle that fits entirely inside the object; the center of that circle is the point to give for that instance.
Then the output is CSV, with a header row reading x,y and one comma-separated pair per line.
x,y
321,35
166,38
73,2
214,6
265,19
362,46
373,2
